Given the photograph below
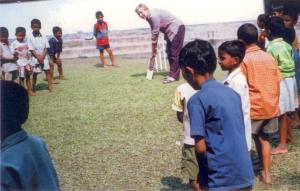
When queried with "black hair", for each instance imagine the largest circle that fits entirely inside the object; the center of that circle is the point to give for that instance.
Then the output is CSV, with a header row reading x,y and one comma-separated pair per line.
x,y
56,29
199,55
20,29
3,31
276,26
263,18
35,21
289,35
99,13
234,48
277,8
14,107
291,13
248,33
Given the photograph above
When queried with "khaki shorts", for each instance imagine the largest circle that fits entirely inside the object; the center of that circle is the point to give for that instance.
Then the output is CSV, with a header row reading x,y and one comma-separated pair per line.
x,y
265,126
189,164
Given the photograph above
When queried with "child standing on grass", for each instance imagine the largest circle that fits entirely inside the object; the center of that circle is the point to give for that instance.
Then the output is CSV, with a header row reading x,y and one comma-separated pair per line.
x,y
283,54
263,78
217,124
38,45
261,22
7,59
25,161
231,55
20,47
189,164
54,52
102,41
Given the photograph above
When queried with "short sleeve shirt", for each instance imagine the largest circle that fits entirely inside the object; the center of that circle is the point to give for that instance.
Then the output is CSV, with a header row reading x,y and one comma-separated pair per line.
x,y
182,95
55,46
23,52
5,52
38,44
216,115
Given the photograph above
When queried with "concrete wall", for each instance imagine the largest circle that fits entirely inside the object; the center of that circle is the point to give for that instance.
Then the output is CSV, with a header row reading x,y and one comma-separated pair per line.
x,y
138,42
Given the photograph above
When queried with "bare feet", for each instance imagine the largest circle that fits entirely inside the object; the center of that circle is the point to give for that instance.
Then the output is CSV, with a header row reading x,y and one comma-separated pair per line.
x,y
31,93
265,177
279,150
62,78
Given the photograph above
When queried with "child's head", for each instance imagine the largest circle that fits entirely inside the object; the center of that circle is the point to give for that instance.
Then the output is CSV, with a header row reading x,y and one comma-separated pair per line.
x,y
231,54
197,62
290,18
274,28
36,25
142,10
261,20
289,35
3,35
277,10
99,16
20,34
248,33
14,107
57,32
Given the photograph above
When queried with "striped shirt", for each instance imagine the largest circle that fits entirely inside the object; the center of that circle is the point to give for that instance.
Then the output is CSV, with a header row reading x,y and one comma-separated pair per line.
x,y
263,78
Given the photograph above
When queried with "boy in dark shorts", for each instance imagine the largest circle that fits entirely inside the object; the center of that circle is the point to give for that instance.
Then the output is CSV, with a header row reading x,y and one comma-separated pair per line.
x,y
102,41
54,52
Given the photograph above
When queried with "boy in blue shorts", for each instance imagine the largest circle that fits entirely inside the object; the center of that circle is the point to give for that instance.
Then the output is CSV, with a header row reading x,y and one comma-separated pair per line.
x,y
102,41
217,124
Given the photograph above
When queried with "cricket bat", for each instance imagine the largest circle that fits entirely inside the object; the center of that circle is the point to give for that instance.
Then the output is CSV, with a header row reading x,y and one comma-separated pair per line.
x,y
150,69
149,74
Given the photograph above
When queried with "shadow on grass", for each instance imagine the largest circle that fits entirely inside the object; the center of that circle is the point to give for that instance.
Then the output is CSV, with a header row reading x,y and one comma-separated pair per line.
x,y
174,183
42,86
154,74
98,65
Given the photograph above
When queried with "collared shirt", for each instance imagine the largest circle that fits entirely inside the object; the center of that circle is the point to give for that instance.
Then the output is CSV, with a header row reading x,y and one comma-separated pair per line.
x,y
55,46
26,164
263,78
38,43
5,52
182,95
163,21
237,81
283,54
216,115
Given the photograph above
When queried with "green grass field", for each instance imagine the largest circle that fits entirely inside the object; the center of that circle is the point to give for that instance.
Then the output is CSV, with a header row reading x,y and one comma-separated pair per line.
x,y
111,129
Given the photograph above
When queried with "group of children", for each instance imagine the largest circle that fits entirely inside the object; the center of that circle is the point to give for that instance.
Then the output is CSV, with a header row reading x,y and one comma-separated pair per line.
x,y
30,55
221,119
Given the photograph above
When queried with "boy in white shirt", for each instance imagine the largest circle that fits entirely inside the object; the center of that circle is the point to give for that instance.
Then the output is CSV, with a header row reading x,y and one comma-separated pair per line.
x,y
20,47
7,59
189,164
231,55
38,45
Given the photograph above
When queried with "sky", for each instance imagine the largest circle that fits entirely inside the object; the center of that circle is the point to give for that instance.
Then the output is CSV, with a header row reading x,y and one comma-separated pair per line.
x,y
79,15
